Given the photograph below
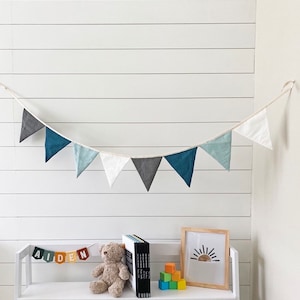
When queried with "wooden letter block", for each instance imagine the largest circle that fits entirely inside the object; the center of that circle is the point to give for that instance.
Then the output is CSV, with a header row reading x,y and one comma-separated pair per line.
x,y
170,267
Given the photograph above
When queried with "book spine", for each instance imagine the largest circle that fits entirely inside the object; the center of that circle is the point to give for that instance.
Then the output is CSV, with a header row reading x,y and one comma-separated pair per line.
x,y
142,270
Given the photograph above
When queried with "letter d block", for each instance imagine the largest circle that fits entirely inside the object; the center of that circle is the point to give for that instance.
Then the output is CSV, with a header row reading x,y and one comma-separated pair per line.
x,y
165,276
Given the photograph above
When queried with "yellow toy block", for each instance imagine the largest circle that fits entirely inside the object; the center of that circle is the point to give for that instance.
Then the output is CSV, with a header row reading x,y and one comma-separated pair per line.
x,y
176,276
170,267
181,284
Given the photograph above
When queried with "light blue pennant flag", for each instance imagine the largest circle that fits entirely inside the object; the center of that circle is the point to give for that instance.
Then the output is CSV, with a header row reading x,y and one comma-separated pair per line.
x,y
220,149
54,143
147,168
83,157
183,163
30,125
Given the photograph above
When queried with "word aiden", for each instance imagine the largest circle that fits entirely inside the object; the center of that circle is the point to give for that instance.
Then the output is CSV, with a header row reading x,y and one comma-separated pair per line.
x,y
60,257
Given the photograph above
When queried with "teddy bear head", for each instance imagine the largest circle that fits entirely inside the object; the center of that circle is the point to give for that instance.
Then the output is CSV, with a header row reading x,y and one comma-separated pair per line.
x,y
112,252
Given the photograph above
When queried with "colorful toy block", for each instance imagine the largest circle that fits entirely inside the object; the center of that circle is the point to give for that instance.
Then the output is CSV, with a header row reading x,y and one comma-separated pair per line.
x,y
173,285
170,267
163,285
165,276
181,284
176,276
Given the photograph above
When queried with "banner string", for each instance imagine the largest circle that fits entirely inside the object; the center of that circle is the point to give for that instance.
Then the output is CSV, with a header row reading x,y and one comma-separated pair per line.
x,y
284,91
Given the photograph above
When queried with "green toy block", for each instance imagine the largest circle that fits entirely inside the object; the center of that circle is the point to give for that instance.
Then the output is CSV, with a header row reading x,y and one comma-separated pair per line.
x,y
165,276
163,285
173,285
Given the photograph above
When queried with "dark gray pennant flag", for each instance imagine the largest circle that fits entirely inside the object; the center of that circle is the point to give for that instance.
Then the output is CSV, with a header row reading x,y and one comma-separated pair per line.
x,y
147,168
30,125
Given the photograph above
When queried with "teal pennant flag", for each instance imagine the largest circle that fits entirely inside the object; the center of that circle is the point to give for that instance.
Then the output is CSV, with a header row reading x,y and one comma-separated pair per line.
x,y
54,143
83,157
30,125
183,163
147,168
220,149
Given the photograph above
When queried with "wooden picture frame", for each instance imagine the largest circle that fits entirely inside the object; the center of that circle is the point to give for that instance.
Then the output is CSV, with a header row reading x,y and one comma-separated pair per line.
x,y
204,257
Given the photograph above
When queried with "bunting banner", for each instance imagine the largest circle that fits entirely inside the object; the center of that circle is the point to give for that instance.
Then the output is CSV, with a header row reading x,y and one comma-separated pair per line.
x,y
83,157
30,125
113,165
255,128
183,164
147,168
54,143
61,257
220,149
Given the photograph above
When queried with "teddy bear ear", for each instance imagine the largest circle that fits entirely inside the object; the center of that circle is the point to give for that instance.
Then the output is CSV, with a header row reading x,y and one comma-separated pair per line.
x,y
100,248
122,246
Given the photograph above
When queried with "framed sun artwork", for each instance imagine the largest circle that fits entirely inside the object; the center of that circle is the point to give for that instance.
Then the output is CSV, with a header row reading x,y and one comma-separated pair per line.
x,y
205,257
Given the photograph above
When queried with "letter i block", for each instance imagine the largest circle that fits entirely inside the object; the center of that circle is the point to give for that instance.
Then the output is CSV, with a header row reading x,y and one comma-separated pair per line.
x,y
165,276
176,276
170,268
181,284
163,285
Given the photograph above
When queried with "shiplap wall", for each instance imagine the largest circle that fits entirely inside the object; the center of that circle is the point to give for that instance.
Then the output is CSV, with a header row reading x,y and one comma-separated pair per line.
x,y
136,77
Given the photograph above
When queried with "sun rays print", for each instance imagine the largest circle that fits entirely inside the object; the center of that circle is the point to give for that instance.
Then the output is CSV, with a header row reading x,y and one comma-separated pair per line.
x,y
204,254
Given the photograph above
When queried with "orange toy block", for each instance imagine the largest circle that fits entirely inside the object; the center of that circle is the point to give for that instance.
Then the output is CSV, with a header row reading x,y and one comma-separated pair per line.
x,y
170,267
176,276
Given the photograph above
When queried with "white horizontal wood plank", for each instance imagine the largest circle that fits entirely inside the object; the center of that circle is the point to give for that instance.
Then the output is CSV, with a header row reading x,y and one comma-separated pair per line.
x,y
6,134
131,36
135,110
6,38
8,110
33,158
132,86
127,182
28,205
5,60
5,12
131,61
95,227
127,12
7,292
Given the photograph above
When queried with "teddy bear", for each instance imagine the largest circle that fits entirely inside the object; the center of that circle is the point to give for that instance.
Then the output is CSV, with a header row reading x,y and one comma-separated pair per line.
x,y
112,274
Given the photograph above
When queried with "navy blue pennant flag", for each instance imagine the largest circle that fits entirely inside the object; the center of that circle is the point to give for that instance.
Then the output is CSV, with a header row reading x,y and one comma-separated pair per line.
x,y
183,163
54,143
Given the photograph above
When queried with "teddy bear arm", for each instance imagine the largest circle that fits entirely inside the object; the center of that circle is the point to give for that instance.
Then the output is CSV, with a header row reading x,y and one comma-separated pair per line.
x,y
98,270
123,272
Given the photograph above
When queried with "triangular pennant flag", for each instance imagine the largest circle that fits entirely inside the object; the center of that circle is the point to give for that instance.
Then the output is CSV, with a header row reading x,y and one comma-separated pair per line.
x,y
113,165
256,129
220,149
54,143
83,157
147,168
30,125
183,163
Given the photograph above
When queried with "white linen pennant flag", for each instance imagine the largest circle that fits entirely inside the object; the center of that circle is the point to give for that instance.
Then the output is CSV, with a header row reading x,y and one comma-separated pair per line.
x,y
256,129
113,165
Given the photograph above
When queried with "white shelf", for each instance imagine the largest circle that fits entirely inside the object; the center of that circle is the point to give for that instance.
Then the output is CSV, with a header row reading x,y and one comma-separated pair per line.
x,y
80,291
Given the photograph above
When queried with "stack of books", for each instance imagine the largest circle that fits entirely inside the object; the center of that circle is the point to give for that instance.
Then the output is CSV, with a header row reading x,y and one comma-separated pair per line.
x,y
137,252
